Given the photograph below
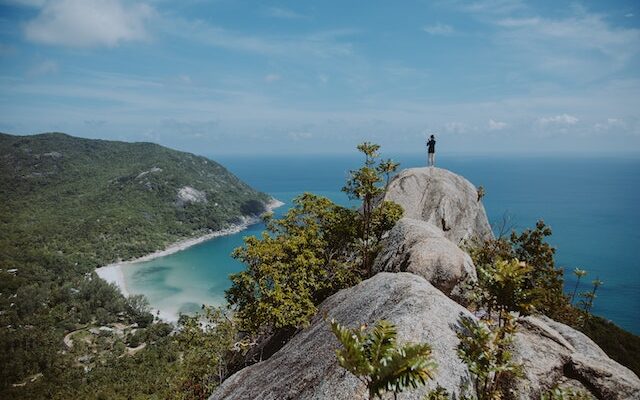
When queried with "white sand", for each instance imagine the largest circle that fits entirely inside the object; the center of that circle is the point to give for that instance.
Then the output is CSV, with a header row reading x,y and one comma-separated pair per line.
x,y
112,273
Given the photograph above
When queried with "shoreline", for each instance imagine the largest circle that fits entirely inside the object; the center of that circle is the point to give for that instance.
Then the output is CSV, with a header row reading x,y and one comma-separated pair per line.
x,y
113,273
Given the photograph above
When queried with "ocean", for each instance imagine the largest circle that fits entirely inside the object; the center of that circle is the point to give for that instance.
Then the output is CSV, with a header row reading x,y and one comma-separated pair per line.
x,y
592,205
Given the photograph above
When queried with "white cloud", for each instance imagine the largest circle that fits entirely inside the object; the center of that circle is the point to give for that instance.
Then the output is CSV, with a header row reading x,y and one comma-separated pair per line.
x,y
455,127
89,23
492,6
44,68
185,79
563,119
272,78
584,44
439,29
323,44
300,135
629,15
496,125
283,13
609,124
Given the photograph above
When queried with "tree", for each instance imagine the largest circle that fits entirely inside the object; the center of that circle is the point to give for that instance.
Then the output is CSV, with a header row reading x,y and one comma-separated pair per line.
x,y
300,260
204,340
502,287
387,167
138,306
377,360
364,185
545,280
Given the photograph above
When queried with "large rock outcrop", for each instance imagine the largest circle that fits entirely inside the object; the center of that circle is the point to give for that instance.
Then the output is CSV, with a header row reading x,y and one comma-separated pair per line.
x,y
441,210
442,198
552,354
422,249
306,367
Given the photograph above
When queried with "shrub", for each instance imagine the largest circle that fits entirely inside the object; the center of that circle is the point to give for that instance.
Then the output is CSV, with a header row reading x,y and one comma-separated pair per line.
x,y
377,360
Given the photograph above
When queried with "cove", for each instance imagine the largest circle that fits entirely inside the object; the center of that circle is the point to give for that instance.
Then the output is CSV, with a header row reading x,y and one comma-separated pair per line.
x,y
589,202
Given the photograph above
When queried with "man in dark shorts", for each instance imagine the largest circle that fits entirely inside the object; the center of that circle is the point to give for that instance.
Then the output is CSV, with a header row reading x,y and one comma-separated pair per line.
x,y
431,150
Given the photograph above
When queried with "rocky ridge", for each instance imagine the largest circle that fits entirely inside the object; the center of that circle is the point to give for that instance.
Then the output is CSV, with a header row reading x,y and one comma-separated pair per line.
x,y
420,298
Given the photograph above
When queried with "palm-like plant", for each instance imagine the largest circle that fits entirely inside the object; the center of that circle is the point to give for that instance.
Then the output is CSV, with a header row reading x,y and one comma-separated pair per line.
x,y
579,273
376,359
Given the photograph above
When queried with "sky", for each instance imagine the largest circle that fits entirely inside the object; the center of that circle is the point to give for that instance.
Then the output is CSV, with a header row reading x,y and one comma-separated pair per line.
x,y
308,77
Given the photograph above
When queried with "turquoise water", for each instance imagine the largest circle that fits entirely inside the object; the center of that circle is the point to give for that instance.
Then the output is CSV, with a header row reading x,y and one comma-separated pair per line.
x,y
592,205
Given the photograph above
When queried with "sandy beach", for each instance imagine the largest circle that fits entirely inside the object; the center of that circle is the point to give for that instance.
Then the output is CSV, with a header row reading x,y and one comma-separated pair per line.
x,y
112,273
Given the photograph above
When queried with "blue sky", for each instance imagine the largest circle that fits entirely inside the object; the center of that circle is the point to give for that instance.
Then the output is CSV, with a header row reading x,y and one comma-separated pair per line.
x,y
216,77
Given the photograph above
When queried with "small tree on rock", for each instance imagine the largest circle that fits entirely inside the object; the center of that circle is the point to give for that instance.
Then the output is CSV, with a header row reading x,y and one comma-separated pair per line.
x,y
377,360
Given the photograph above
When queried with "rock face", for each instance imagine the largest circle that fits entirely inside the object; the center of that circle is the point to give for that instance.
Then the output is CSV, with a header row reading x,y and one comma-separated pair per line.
x,y
428,264
187,195
442,198
552,353
306,367
422,249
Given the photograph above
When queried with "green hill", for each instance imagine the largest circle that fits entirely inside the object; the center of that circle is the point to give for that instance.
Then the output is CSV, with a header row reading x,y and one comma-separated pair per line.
x,y
69,205
96,201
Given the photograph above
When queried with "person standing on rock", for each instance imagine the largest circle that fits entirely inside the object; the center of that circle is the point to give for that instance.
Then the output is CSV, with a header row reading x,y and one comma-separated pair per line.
x,y
431,150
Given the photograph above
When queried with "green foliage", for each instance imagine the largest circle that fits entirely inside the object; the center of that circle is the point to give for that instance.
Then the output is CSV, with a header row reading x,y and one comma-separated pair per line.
x,y
138,307
383,218
502,287
484,347
439,393
364,185
308,254
300,260
387,167
379,362
204,341
546,282
70,205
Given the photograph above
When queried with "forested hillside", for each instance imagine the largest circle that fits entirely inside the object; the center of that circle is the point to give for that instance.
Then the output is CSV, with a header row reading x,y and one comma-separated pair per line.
x,y
69,205
115,199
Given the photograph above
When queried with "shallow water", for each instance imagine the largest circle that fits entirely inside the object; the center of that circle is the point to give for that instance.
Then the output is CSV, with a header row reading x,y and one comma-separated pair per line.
x,y
590,203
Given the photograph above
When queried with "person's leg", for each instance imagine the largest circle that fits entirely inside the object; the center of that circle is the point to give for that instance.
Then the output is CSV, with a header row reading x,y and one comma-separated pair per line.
x,y
431,159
